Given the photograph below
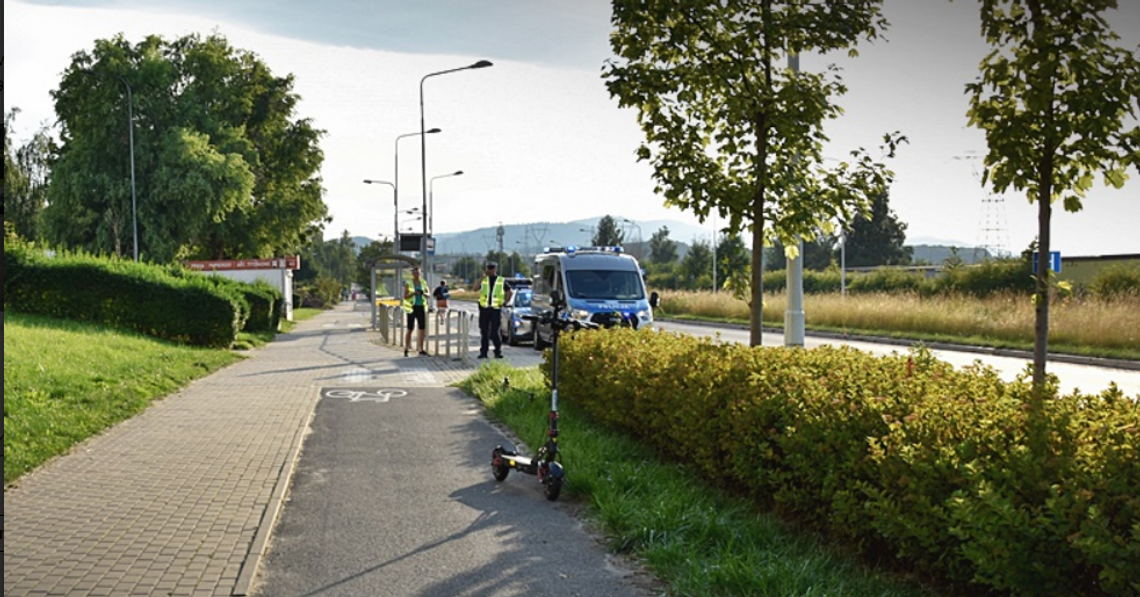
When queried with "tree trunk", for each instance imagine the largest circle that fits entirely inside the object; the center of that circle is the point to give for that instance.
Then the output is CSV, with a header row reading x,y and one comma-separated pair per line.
x,y
1041,297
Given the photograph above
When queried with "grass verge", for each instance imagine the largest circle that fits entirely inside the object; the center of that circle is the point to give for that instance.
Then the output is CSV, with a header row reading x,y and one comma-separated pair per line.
x,y
696,539
66,381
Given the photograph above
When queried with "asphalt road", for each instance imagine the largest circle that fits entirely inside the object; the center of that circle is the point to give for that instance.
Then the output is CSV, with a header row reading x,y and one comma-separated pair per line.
x,y
393,495
1087,378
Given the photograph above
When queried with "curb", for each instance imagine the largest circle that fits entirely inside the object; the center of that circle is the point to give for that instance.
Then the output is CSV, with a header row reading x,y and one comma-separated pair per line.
x,y
987,350
265,527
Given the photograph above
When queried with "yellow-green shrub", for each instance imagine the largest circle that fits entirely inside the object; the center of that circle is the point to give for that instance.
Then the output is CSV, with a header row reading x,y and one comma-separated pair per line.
x,y
949,469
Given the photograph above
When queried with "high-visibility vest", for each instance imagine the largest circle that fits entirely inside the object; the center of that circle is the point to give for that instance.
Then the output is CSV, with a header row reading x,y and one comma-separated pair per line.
x,y
496,295
410,301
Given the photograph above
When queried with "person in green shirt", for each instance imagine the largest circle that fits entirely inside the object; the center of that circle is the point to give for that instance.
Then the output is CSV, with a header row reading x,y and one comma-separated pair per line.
x,y
415,305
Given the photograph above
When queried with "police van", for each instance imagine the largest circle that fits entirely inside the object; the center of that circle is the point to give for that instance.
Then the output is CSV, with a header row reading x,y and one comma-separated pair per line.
x,y
602,285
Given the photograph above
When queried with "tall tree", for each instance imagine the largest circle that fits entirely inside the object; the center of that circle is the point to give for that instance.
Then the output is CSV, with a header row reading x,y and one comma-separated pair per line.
x,y
727,128
224,168
732,258
26,175
695,270
877,237
1053,99
368,256
662,249
608,233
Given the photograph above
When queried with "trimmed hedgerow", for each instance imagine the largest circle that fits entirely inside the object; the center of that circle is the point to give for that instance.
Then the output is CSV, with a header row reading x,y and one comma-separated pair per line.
x,y
137,296
954,471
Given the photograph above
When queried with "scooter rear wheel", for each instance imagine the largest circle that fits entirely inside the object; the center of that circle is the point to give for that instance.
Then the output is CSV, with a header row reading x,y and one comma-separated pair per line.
x,y
500,471
553,487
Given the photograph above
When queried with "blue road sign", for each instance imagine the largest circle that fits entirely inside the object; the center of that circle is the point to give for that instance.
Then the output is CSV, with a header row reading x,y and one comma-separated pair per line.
x,y
1054,262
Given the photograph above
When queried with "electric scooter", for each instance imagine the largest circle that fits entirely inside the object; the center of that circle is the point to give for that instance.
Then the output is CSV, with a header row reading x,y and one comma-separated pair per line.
x,y
545,465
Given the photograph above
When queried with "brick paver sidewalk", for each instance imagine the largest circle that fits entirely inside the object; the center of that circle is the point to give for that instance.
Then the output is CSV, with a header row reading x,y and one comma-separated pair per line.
x,y
181,499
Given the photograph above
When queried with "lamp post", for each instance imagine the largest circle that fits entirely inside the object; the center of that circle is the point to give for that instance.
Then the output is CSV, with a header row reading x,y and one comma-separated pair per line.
x,y
592,231
372,269
423,147
397,171
794,315
640,240
431,199
131,140
395,210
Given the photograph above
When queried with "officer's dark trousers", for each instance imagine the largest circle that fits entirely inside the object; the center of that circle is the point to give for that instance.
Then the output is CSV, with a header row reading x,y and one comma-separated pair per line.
x,y
490,321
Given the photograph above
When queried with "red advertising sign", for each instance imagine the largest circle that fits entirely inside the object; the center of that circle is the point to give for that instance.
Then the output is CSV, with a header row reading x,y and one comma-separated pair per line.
x,y
291,262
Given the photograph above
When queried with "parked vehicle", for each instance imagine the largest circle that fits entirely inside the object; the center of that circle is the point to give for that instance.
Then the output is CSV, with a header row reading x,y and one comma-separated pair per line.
x,y
603,286
515,327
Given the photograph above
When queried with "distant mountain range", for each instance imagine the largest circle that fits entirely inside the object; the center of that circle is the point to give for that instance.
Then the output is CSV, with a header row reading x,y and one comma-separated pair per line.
x,y
528,239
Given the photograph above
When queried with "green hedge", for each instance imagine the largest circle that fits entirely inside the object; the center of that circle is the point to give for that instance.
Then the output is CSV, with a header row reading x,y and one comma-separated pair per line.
x,y
137,296
949,470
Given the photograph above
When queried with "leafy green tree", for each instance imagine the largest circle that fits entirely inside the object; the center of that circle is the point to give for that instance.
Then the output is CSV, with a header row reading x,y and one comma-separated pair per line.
x,y
369,255
695,270
608,233
726,128
26,174
224,168
1054,99
335,259
877,237
732,259
468,269
662,250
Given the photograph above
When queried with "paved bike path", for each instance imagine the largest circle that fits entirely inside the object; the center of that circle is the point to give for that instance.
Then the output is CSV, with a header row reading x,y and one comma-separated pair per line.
x,y
393,495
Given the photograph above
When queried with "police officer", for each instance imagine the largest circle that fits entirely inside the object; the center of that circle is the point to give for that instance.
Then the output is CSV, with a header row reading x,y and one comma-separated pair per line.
x,y
493,294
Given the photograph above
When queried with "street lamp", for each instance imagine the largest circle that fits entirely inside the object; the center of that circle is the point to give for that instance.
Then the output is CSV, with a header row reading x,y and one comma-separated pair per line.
x,y
395,208
431,201
131,138
423,146
640,240
397,166
395,249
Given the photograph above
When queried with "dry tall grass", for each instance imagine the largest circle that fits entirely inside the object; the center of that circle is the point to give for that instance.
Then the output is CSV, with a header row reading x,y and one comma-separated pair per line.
x,y
1112,324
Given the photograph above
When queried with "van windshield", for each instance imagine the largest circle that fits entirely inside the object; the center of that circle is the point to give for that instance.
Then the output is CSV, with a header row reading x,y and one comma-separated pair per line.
x,y
605,284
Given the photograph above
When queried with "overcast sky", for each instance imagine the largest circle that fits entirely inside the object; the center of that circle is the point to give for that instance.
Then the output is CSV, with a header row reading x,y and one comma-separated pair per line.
x,y
537,136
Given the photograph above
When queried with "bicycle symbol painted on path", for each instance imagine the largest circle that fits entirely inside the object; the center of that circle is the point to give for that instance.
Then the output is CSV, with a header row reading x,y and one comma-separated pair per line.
x,y
363,394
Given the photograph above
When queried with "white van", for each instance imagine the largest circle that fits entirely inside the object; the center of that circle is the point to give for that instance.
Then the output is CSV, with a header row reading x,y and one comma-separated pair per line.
x,y
602,285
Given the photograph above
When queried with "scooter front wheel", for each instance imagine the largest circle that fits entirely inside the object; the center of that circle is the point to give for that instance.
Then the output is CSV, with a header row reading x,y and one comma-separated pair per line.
x,y
552,487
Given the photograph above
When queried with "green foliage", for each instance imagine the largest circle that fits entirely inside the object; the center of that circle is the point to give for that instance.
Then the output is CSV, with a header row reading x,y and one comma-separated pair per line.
x,y
224,168
877,237
1057,99
1116,281
26,173
662,249
900,454
727,128
153,300
608,233
368,256
698,540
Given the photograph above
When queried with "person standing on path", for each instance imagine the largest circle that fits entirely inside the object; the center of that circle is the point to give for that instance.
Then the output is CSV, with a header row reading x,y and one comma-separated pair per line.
x,y
415,305
493,294
442,294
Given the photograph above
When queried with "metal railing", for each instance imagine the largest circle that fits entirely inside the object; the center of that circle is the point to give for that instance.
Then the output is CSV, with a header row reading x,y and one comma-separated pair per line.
x,y
453,338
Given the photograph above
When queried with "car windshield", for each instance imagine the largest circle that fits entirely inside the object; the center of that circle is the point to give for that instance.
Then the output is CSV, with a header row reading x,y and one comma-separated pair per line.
x,y
605,284
522,298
